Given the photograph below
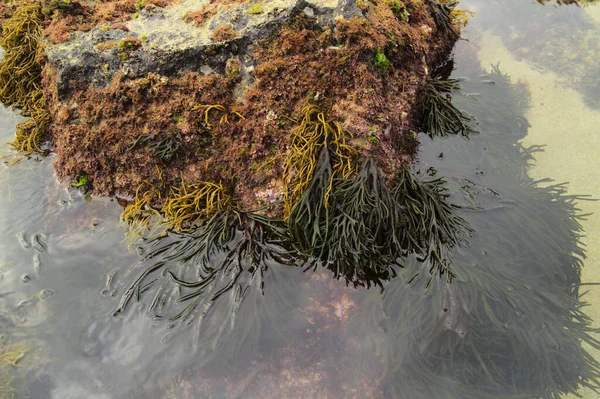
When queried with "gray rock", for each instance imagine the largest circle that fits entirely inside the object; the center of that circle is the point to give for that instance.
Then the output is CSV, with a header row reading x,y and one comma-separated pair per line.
x,y
172,46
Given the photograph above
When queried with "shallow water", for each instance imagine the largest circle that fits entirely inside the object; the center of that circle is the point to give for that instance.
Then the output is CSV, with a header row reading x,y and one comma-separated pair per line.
x,y
508,329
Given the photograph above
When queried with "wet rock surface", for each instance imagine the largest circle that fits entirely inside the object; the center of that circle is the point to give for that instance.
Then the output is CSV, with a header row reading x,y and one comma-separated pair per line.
x,y
167,43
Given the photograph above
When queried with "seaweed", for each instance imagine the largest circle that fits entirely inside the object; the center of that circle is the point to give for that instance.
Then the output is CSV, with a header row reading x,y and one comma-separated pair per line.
x,y
191,205
217,107
164,145
367,228
309,219
32,132
432,225
362,241
140,213
314,133
442,14
20,70
380,61
187,274
20,75
440,117
183,209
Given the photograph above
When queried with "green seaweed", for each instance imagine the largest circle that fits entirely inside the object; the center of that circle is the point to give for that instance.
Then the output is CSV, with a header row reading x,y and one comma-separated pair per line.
x,y
433,227
185,275
440,117
442,14
81,181
380,60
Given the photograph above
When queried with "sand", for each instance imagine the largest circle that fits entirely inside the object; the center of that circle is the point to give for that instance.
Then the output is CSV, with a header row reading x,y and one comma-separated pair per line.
x,y
570,132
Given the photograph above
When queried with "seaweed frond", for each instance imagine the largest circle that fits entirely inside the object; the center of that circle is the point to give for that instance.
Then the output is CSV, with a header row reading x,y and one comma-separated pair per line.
x,y
356,237
309,219
192,205
314,133
216,107
186,273
440,117
184,209
31,132
21,75
144,208
362,240
433,226
441,11
164,145
461,17
20,70
196,246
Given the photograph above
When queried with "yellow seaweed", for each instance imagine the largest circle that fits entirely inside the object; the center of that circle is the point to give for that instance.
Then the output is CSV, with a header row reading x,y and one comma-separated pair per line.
x,y
191,205
217,107
307,140
21,75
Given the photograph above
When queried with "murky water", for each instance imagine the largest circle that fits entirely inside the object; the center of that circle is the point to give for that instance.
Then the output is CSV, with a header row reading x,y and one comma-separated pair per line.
x,y
509,326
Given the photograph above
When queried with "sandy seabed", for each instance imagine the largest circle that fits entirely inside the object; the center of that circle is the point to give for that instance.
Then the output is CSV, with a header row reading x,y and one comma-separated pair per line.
x,y
570,133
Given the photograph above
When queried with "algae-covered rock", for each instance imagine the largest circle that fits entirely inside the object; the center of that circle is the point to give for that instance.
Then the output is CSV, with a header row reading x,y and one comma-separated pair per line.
x,y
114,90
293,109
174,44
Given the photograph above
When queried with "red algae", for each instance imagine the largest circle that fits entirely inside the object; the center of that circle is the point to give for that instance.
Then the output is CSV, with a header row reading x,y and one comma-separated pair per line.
x,y
367,73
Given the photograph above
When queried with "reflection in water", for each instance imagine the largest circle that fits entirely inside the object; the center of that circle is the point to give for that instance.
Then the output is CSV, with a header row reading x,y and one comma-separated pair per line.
x,y
509,326
185,275
564,41
511,323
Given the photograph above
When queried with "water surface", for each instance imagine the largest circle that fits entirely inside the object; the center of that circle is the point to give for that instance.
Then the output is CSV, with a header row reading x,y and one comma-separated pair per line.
x,y
509,326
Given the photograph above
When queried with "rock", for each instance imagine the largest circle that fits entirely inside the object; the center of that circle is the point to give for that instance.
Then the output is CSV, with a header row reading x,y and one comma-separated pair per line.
x,y
170,45
229,102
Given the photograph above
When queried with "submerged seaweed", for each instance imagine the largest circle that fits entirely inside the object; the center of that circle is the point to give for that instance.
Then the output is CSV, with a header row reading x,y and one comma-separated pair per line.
x,y
356,236
363,233
348,219
440,117
366,229
185,274
432,225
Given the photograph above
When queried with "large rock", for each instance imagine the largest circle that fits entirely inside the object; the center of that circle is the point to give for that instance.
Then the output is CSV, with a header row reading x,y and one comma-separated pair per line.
x,y
172,45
